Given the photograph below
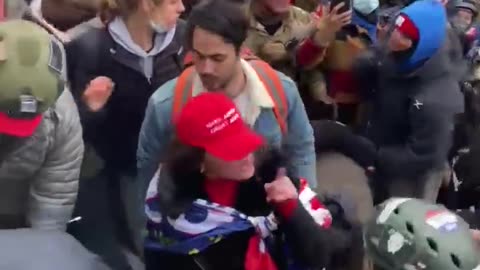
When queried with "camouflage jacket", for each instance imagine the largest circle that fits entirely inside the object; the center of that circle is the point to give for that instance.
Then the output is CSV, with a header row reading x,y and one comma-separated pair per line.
x,y
295,28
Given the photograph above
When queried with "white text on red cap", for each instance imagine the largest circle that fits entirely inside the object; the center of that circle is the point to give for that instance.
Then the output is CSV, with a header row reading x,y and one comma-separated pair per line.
x,y
218,123
400,20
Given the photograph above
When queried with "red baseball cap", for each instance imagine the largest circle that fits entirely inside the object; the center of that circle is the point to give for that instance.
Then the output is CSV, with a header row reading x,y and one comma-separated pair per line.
x,y
407,27
212,122
18,127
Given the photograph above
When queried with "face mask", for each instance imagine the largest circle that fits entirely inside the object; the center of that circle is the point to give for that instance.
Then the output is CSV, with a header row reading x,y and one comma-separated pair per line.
x,y
365,6
400,56
158,28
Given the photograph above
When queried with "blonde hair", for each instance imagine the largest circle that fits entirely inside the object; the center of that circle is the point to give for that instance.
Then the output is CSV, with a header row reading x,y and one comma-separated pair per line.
x,y
109,9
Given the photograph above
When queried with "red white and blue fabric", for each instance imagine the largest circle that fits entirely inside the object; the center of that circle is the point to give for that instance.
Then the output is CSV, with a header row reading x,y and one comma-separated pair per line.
x,y
205,224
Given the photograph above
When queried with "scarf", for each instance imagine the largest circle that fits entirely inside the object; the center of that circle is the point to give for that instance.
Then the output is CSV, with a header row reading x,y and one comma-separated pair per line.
x,y
205,223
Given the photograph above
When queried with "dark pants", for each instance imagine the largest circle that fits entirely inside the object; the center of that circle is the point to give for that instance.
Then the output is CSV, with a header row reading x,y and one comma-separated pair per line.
x,y
102,227
348,114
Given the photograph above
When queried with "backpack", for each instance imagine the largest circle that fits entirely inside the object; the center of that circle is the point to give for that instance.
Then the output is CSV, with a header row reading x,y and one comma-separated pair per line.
x,y
268,76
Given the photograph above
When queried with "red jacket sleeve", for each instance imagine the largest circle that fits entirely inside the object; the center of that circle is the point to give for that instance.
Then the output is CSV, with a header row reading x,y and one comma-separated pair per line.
x,y
308,53
286,209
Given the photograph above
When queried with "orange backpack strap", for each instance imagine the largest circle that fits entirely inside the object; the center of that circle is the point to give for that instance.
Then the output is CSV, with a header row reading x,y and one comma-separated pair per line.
x,y
250,57
274,86
183,90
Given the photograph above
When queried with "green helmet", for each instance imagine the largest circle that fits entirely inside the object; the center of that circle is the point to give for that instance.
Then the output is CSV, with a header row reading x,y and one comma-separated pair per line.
x,y
412,234
32,75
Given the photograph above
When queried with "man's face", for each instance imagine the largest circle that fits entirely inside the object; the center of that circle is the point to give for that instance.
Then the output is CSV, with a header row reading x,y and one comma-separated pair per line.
x,y
462,19
277,7
399,42
214,60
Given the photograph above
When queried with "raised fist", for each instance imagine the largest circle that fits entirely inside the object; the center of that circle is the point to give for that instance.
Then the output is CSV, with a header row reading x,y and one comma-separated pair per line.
x,y
98,92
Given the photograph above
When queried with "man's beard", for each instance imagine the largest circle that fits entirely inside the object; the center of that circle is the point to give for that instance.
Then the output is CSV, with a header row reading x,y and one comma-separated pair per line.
x,y
461,26
212,83
215,84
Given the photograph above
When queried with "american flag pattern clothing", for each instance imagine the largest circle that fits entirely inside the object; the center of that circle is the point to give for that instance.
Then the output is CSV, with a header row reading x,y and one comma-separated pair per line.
x,y
205,224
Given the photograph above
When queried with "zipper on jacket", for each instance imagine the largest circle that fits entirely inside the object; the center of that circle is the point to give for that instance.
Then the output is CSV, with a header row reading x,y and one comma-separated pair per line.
x,y
197,260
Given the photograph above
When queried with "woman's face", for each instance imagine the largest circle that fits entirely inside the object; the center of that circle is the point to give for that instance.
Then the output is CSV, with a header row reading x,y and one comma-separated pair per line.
x,y
239,170
165,14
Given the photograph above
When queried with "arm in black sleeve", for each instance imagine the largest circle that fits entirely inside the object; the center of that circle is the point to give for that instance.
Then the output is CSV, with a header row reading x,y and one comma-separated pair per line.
x,y
310,243
83,57
313,245
331,136
365,71
317,242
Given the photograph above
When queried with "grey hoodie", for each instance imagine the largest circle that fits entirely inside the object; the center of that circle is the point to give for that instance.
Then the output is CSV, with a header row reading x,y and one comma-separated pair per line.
x,y
119,32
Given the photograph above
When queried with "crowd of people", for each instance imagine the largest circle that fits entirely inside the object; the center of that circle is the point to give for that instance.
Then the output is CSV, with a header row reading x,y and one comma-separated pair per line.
x,y
239,134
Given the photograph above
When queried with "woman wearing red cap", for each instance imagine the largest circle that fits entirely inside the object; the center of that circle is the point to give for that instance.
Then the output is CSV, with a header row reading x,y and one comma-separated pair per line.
x,y
217,211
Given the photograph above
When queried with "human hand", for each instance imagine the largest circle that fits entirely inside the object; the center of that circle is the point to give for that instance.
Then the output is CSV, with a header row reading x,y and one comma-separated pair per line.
x,y
281,189
319,93
328,22
98,92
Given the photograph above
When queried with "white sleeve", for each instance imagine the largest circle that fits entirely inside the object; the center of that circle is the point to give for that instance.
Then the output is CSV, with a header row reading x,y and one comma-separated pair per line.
x,y
36,7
